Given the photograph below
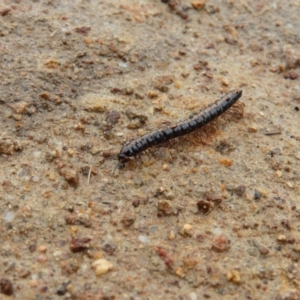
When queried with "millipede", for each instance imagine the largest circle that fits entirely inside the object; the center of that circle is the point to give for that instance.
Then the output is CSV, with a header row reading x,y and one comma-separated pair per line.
x,y
164,134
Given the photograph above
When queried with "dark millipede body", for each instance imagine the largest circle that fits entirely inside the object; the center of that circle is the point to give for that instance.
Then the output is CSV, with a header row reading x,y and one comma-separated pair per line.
x,y
164,134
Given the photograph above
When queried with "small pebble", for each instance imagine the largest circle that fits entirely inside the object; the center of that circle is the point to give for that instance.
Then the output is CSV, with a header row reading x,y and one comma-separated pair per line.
x,y
24,273
240,190
220,242
42,248
234,276
198,4
6,287
204,206
297,248
193,296
252,251
226,162
136,202
7,114
281,238
96,102
198,67
262,192
42,258
112,117
144,239
33,283
186,230
291,75
8,146
290,294
216,278
261,248
88,40
32,248
35,178
79,244
172,236
225,81
79,127
98,255
63,289
177,84
179,272
165,256
252,129
185,74
290,185
109,246
45,96
297,155
102,266
164,79
122,64
190,261
166,167
169,194
164,208
128,219
257,195
20,107
152,94
9,216
70,175
17,117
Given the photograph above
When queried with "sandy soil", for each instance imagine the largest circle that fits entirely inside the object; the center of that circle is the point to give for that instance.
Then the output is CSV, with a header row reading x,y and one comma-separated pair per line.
x,y
217,219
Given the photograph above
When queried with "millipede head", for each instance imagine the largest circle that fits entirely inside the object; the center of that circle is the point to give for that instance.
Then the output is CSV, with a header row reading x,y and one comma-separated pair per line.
x,y
123,158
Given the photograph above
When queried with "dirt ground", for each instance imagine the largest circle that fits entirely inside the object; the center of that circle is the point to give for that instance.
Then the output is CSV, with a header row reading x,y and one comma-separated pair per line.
x,y
218,218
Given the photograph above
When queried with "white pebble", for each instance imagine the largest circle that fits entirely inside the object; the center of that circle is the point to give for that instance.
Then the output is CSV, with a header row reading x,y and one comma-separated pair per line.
x,y
37,154
193,296
9,198
122,64
57,254
9,216
35,178
217,230
143,239
102,266
34,277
